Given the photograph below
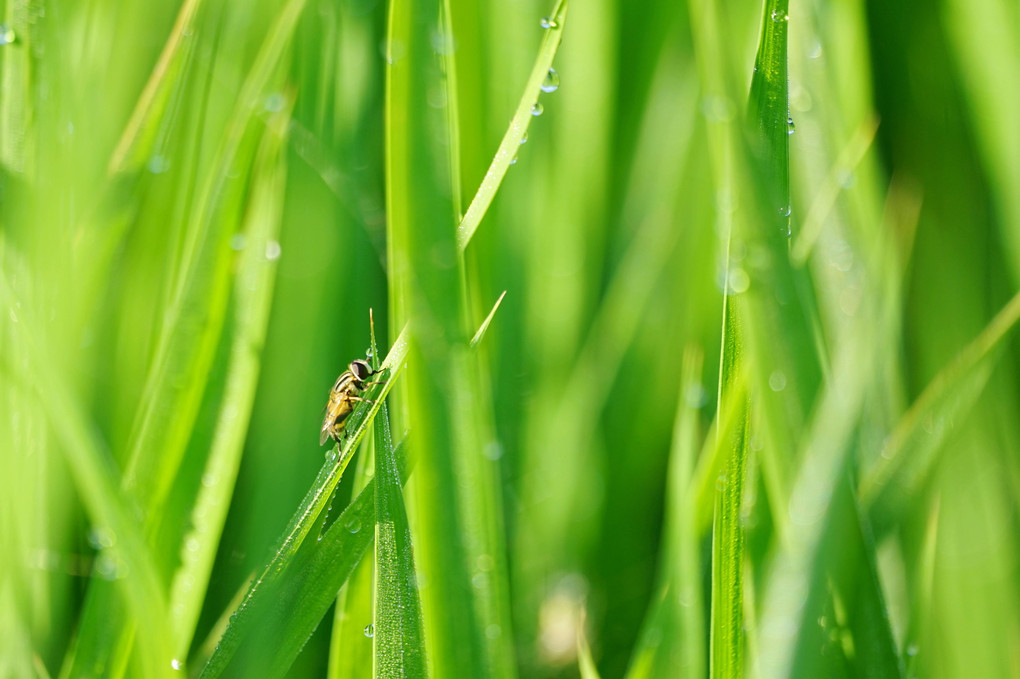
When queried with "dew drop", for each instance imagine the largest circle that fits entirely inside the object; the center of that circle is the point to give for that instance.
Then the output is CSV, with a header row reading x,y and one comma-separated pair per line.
x,y
779,18
777,380
551,82
513,161
354,526
238,241
369,631
331,455
524,139
177,664
739,281
549,22
272,250
537,109
101,538
790,126
7,35
158,164
275,102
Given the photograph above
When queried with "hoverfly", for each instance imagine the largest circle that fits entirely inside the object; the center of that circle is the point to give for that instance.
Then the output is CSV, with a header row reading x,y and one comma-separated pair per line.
x,y
342,397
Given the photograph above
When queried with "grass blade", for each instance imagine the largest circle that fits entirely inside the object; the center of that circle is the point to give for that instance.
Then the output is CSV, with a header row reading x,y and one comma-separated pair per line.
x,y
399,645
907,462
125,561
257,603
485,324
279,617
399,642
673,636
511,143
253,294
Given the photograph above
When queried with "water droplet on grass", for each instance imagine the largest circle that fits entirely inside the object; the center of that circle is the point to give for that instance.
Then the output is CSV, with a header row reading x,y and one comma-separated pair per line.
x,y
537,109
7,35
551,82
739,281
549,22
369,631
790,126
272,250
158,164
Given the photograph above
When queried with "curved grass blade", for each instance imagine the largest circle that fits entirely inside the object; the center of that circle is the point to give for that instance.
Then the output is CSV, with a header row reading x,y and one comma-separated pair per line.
x,y
247,618
297,603
511,143
136,142
901,473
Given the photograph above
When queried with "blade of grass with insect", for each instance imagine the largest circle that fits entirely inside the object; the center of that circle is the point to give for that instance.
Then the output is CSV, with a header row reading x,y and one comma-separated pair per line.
x,y
351,647
257,611
294,605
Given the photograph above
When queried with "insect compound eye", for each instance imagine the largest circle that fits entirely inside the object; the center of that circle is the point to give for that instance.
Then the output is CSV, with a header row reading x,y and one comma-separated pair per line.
x,y
361,370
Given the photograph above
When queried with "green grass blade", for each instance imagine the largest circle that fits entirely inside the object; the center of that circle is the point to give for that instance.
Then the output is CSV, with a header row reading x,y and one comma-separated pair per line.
x,y
351,642
274,623
139,136
672,640
398,643
350,650
398,639
480,333
250,614
253,294
906,464
125,560
511,142
585,662
727,623
180,370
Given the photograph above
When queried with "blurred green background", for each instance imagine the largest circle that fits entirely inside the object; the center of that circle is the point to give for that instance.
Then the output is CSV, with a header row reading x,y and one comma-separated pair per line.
x,y
193,228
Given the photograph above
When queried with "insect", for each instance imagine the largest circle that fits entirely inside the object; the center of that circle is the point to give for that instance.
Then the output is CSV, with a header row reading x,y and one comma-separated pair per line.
x,y
342,398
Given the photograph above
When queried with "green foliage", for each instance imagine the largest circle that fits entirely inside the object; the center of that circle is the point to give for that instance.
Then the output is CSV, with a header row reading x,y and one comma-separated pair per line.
x,y
696,324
